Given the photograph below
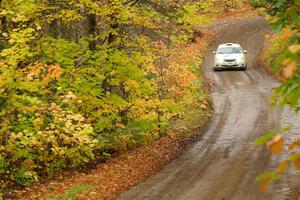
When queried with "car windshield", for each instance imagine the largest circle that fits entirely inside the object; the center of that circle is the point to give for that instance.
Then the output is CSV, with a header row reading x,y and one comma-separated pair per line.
x,y
229,50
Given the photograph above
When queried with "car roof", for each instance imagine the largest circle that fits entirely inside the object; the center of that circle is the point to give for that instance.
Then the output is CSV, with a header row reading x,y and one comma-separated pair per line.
x,y
229,45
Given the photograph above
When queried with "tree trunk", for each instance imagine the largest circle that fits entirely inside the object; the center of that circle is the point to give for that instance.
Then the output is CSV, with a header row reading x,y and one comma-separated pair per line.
x,y
92,23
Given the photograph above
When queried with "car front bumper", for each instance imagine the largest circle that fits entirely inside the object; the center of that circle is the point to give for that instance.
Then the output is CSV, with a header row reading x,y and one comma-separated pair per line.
x,y
231,66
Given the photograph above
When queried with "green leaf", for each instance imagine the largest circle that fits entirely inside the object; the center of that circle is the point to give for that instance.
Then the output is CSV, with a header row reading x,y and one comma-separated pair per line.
x,y
270,174
263,139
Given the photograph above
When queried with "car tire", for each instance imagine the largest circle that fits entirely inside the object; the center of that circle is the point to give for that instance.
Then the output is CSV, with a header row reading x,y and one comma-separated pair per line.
x,y
215,69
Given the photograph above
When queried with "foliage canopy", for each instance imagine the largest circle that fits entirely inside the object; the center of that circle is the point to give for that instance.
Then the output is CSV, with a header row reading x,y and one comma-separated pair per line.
x,y
81,79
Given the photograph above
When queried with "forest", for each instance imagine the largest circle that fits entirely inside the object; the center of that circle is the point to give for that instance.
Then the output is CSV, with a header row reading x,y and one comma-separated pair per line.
x,y
82,80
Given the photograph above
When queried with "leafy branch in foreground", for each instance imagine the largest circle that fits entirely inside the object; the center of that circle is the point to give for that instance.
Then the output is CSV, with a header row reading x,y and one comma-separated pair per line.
x,y
285,60
276,144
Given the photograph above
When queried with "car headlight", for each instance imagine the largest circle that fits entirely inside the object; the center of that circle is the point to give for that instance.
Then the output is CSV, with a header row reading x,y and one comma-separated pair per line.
x,y
218,60
241,60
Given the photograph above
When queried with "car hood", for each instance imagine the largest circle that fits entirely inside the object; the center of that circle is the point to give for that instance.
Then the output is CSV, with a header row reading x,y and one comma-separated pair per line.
x,y
229,56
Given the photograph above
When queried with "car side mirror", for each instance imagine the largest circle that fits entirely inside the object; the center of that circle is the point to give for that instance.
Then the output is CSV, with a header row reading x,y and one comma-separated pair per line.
x,y
245,52
214,52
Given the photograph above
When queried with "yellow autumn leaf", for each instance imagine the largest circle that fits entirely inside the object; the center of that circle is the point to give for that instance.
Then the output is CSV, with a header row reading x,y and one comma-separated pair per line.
x,y
276,144
5,35
203,106
264,184
283,166
119,125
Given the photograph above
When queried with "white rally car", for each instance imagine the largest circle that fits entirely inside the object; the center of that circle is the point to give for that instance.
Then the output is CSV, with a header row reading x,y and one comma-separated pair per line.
x,y
230,56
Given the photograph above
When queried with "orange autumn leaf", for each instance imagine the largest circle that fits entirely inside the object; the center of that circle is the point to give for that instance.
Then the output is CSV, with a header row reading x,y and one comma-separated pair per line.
x,y
283,166
289,68
294,145
2,63
296,162
54,72
294,48
264,184
276,144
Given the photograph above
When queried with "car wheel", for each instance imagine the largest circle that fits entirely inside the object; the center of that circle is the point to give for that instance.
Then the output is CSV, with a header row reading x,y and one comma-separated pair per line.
x,y
215,69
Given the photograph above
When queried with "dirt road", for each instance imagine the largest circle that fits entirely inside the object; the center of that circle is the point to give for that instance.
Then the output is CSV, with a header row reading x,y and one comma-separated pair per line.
x,y
224,163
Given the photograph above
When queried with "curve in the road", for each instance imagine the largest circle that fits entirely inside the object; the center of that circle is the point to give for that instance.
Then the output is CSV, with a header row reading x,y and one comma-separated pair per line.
x,y
224,163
